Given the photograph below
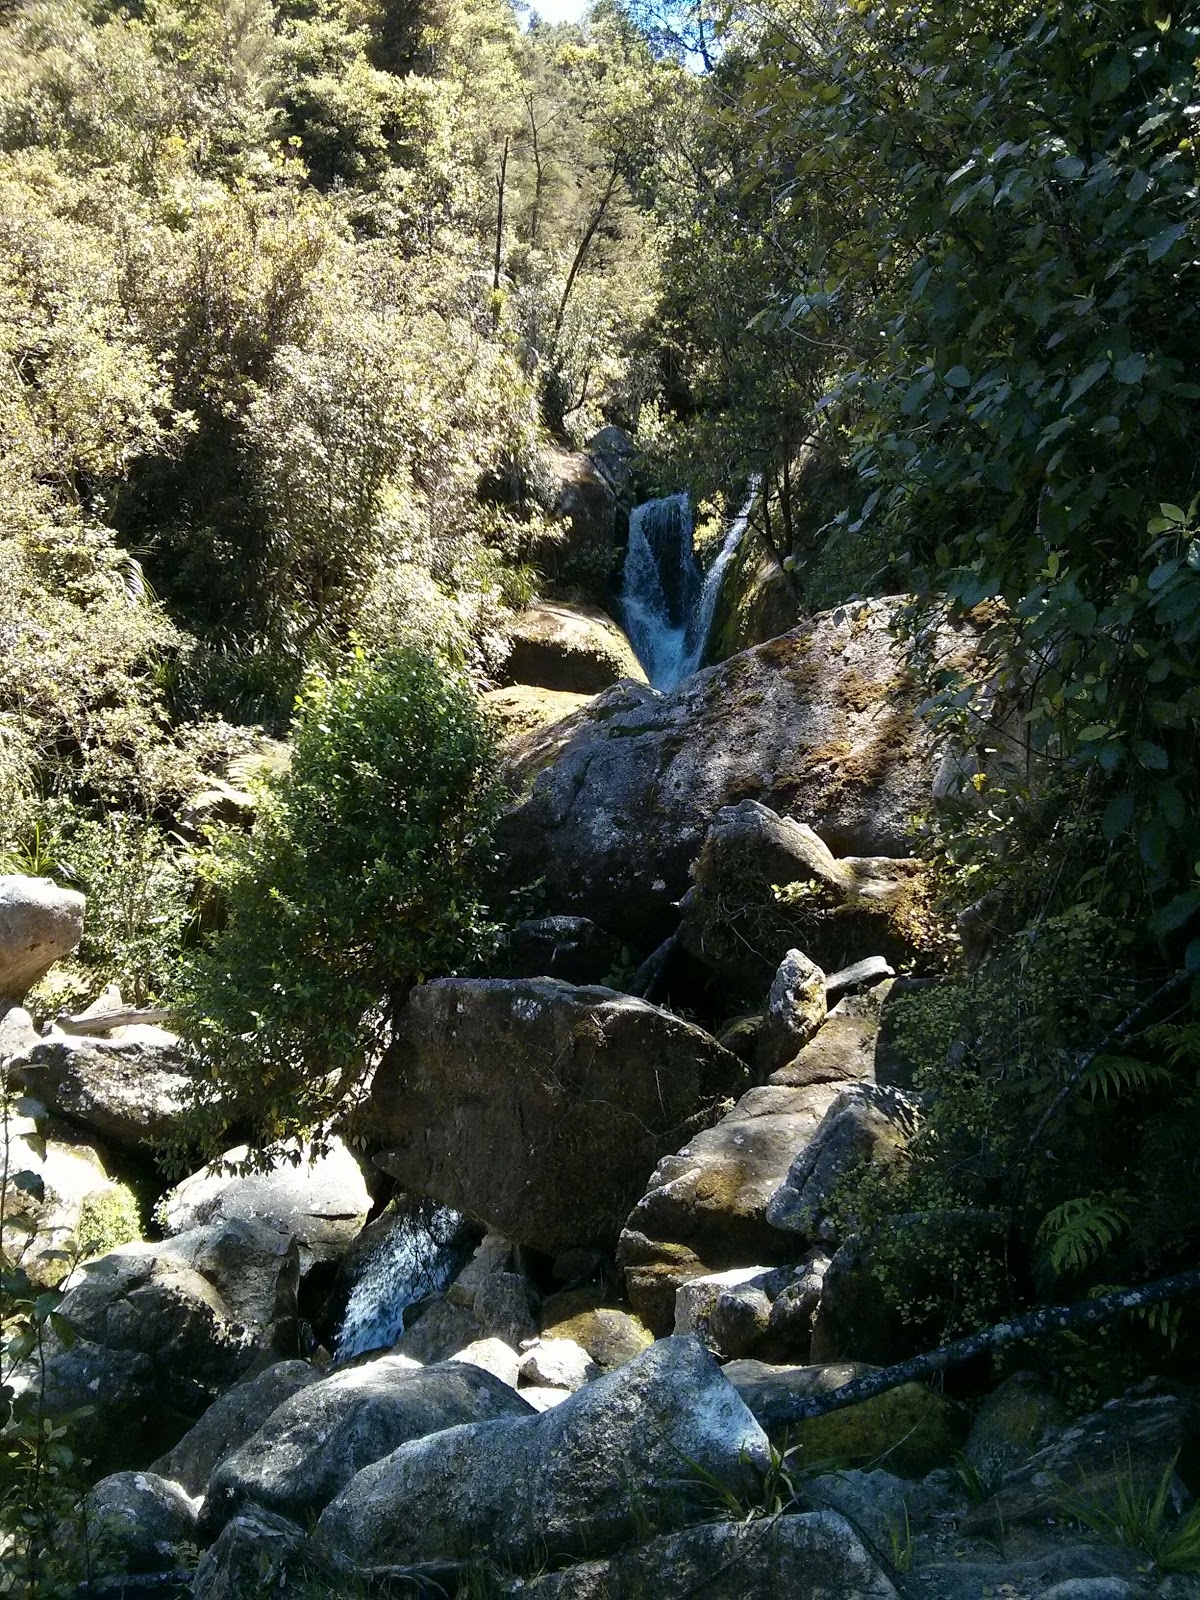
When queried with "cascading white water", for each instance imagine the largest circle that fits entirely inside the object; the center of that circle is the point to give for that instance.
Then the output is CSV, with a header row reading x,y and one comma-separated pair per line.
x,y
412,1259
666,608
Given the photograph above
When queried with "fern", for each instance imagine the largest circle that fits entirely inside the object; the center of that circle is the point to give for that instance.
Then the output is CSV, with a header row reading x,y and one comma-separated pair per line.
x,y
1113,1076
1077,1233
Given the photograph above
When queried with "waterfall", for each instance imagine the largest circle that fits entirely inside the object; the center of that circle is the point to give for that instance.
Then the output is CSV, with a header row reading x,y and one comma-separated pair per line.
x,y
411,1259
666,607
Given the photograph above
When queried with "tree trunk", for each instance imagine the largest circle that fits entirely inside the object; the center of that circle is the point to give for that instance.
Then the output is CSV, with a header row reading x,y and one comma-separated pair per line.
x,y
610,189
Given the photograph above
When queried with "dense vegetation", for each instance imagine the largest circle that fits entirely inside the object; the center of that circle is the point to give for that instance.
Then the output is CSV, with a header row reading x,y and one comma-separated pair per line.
x,y
296,302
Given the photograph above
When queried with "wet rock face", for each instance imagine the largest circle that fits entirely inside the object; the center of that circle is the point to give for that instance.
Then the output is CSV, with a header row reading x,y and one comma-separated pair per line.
x,y
820,725
537,1107
39,924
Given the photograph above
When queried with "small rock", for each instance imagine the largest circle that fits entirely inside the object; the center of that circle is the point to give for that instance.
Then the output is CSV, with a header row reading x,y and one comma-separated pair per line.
x,y
494,1356
795,1010
257,1553
610,1335
861,975
789,1329
1012,1424
728,1311
557,1364
542,1398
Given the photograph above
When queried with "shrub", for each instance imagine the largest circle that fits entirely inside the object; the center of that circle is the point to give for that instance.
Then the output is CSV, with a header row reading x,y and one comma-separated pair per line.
x,y
360,878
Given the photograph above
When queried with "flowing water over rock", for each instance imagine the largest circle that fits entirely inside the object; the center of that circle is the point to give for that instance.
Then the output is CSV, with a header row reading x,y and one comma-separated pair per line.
x,y
667,604
415,1258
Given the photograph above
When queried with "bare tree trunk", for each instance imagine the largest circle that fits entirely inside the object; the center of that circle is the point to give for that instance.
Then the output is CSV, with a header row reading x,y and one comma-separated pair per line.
x,y
1033,1325
500,180
585,243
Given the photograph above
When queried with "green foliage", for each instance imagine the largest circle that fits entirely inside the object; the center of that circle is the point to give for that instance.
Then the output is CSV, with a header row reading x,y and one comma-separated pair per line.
x,y
362,875
108,1218
1143,1518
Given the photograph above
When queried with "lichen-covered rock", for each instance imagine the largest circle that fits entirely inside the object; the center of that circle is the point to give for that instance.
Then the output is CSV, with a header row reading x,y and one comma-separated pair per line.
x,y
705,1208
908,1430
865,1126
841,907
537,1107
523,709
1129,1446
789,1328
39,924
821,725
230,1421
812,1556
579,649
257,1553
138,1522
795,1010
843,1050
1015,1421
579,1478
201,1306
128,1092
321,1203
610,1335
313,1444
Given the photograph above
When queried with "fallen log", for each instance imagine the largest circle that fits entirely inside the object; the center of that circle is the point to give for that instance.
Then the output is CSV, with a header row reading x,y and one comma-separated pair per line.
x,y
106,1021
1038,1324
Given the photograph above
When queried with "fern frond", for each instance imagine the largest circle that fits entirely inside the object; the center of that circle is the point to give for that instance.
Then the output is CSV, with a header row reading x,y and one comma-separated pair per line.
x,y
1077,1233
1113,1076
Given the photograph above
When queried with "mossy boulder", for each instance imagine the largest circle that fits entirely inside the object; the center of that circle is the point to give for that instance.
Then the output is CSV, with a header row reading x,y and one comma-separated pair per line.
x,y
574,649
822,725
1013,1423
523,708
908,1430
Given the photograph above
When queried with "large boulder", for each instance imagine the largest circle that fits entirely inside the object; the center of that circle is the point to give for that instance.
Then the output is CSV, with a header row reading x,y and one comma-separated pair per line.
x,y
201,1306
522,709
762,882
1127,1449
312,1445
812,1556
129,1092
865,1126
641,1443
705,1208
588,494
39,924
230,1421
576,649
319,1201
536,1107
138,1522
821,724
258,1553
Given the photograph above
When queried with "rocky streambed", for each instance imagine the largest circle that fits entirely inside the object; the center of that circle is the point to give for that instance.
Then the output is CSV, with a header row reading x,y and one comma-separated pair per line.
x,y
599,1186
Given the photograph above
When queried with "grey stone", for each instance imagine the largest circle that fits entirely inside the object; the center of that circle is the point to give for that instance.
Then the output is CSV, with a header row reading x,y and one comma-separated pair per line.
x,y
728,1311
320,1203
573,647
795,1010
876,1503
493,1356
1015,1421
257,1553
812,1556
477,1305
610,1335
622,795
39,924
860,975
557,1364
313,1444
538,1107
865,1126
138,1522
230,1421
793,1311
125,1091
843,1050
705,1208
576,1479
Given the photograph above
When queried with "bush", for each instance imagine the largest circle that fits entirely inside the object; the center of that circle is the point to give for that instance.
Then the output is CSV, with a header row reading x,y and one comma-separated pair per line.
x,y
361,877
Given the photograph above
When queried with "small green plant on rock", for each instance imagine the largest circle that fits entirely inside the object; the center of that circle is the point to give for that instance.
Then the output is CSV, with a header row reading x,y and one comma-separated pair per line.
x,y
1142,1517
